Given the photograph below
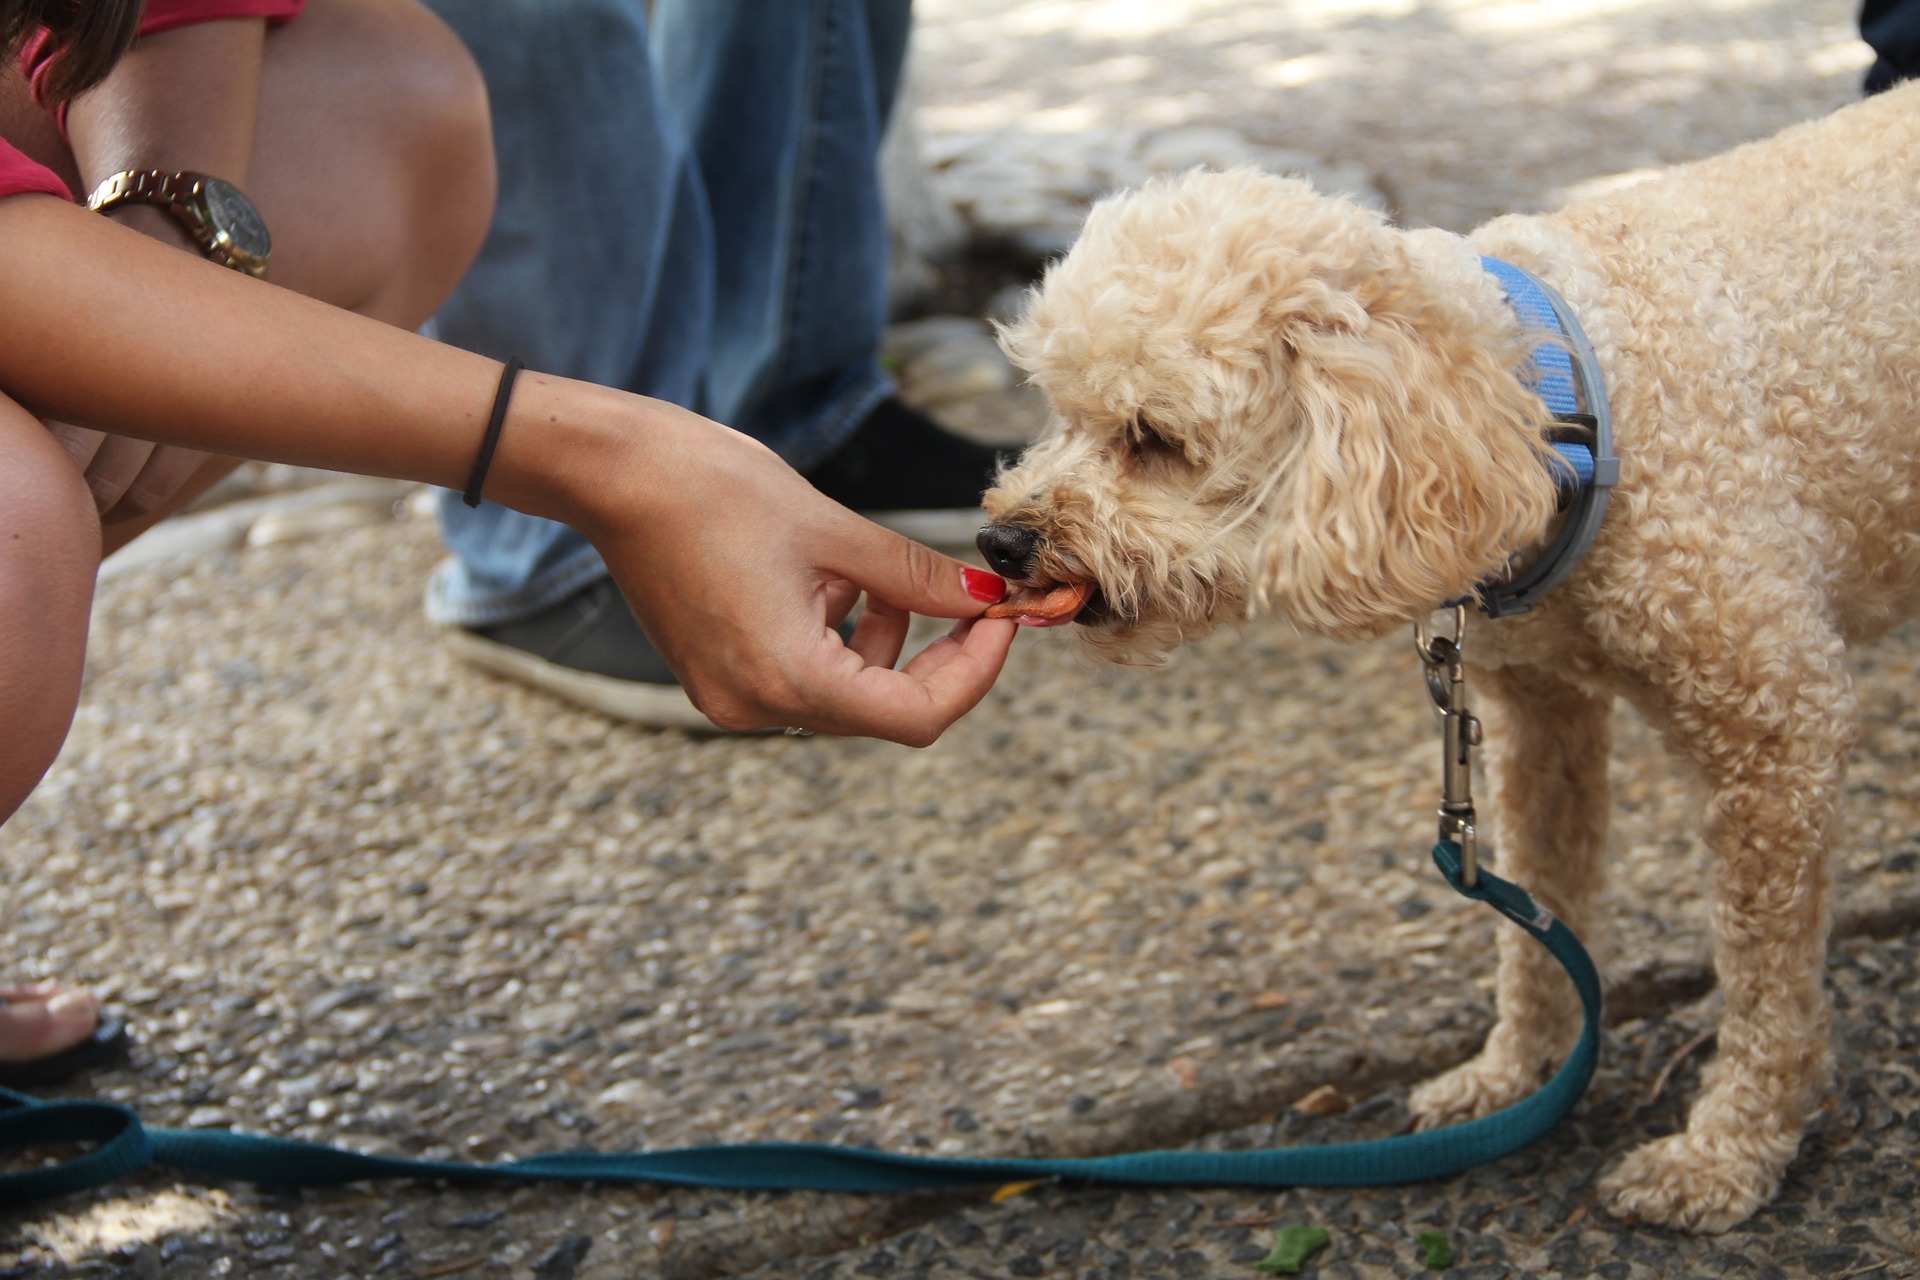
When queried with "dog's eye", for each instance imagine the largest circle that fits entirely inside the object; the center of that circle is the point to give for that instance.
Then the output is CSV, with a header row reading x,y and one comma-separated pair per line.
x,y
1147,440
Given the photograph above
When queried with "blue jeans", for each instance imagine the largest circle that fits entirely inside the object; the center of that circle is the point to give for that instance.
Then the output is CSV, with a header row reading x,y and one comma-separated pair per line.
x,y
691,212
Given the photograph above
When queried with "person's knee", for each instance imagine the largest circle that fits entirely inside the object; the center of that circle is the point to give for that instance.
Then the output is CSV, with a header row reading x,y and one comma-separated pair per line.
x,y
385,96
49,553
436,94
446,98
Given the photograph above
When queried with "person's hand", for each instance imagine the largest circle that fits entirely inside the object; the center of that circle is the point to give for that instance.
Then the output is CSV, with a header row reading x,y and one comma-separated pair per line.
x,y
129,478
741,572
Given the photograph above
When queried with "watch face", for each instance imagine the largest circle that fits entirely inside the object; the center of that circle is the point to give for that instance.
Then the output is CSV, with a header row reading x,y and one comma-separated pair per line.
x,y
235,218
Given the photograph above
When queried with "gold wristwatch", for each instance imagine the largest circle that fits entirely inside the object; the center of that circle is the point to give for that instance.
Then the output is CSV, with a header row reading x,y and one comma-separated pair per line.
x,y
222,221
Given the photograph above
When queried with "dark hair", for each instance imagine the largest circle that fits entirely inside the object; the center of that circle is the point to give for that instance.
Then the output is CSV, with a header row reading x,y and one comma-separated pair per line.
x,y
88,37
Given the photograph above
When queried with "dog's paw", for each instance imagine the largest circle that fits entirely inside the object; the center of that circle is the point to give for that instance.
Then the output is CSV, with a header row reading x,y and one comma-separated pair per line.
x,y
1696,1183
1474,1089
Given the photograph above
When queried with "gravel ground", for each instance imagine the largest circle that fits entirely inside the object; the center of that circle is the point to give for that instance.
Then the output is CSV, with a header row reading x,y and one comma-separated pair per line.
x,y
349,890
1846,1209
1460,109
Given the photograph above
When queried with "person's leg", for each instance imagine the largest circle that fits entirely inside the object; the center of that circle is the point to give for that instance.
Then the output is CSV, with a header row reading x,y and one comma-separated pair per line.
x,y
594,138
787,108
372,165
372,158
603,263
49,549
598,265
374,170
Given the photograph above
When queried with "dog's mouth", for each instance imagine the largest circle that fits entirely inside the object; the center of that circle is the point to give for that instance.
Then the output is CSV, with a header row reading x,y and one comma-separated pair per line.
x,y
1050,604
1045,588
1094,611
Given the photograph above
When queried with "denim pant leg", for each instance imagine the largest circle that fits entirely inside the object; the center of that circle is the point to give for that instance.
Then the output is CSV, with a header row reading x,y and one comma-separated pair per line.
x,y
785,105
611,259
598,266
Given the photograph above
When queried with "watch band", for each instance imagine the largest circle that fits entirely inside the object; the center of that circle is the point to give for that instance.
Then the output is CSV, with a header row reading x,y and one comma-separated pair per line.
x,y
183,195
142,186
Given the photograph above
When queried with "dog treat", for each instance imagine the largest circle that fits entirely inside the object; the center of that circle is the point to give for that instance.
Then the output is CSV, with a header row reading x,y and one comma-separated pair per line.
x,y
1046,603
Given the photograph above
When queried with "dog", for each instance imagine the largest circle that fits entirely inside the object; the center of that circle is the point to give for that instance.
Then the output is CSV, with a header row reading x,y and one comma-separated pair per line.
x,y
1265,399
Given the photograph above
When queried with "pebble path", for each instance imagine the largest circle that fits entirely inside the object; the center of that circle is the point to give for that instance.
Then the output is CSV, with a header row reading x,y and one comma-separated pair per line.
x,y
347,889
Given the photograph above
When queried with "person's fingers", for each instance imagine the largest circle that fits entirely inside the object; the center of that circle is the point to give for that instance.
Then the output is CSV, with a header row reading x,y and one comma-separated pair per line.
x,y
166,469
917,703
881,633
115,466
913,577
957,670
81,443
978,645
841,596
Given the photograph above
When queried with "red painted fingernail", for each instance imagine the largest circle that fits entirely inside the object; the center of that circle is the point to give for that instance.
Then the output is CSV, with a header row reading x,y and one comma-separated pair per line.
x,y
981,585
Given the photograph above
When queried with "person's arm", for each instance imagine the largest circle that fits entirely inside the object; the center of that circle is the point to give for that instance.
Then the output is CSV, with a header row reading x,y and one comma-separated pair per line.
x,y
182,99
187,98
739,569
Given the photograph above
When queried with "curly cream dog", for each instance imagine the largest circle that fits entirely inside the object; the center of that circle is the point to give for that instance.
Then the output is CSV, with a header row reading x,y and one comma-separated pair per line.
x,y
1268,399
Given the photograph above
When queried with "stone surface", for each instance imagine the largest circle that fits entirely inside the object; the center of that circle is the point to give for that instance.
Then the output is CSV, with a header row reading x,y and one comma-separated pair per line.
x,y
960,364
348,890
259,511
1452,110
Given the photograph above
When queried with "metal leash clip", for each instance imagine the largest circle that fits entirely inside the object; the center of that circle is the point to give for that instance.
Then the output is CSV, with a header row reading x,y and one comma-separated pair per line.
x,y
1445,662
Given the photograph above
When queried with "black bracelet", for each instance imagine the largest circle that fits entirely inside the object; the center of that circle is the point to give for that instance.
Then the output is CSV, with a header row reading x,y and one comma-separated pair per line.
x,y
487,442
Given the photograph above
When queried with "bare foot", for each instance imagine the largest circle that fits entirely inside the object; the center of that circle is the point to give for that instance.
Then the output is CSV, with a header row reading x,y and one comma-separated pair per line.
x,y
44,1019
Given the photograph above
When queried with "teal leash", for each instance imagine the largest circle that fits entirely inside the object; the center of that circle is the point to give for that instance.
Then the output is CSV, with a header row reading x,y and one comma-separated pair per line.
x,y
1567,378
122,1144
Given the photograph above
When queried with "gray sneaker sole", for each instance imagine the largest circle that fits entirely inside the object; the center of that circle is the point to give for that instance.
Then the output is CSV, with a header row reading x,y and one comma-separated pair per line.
x,y
658,706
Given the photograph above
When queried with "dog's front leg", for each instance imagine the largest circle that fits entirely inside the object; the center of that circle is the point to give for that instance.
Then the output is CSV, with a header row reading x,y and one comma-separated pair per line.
x,y
1773,746
1547,747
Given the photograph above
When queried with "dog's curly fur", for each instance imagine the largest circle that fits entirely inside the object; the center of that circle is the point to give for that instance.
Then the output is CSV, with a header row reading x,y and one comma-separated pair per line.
x,y
1268,399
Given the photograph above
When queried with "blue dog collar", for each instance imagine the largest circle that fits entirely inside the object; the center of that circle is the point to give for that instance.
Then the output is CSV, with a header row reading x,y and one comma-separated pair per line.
x,y
1567,377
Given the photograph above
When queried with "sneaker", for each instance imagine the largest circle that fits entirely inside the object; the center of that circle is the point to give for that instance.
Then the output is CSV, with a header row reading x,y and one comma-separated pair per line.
x,y
899,466
590,650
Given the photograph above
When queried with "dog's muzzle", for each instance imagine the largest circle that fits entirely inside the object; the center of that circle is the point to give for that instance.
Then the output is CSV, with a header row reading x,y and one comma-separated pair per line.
x,y
1008,548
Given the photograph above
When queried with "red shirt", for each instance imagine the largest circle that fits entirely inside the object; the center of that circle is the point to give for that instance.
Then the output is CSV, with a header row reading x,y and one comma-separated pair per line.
x,y
165,15
19,175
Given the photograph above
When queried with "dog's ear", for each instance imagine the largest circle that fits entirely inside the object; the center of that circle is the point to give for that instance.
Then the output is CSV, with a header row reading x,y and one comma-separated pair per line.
x,y
1413,467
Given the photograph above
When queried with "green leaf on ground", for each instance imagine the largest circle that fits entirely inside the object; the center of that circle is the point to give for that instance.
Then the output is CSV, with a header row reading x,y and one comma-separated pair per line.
x,y
1436,1250
1293,1244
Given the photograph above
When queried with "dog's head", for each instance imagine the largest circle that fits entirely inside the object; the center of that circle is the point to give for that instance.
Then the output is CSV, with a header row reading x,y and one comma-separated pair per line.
x,y
1265,398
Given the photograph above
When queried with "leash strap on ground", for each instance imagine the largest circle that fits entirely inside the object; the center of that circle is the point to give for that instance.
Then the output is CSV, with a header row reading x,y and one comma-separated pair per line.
x,y
121,1144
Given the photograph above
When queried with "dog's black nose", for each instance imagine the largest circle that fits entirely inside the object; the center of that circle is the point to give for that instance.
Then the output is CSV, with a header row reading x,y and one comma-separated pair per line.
x,y
1008,548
